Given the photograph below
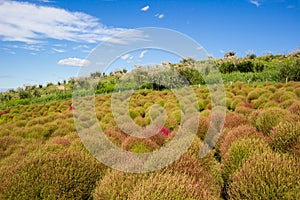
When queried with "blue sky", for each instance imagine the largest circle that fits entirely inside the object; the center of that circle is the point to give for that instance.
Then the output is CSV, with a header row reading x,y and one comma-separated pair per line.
x,y
47,40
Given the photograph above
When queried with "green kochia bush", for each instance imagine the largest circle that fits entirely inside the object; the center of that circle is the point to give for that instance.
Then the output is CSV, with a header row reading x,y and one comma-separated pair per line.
x,y
56,175
266,176
285,136
265,120
240,151
116,185
170,186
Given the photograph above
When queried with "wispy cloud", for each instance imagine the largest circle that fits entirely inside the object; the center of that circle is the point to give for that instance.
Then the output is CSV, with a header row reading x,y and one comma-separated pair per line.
x,y
58,50
142,54
77,62
255,2
45,1
29,47
159,16
126,57
8,50
30,23
145,8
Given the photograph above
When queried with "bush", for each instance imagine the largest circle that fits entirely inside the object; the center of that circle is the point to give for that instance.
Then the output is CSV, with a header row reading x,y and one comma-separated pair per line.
x,y
116,185
170,186
203,127
297,91
243,131
290,70
206,169
233,120
139,145
244,109
238,152
258,103
256,93
267,176
56,175
7,145
265,120
285,136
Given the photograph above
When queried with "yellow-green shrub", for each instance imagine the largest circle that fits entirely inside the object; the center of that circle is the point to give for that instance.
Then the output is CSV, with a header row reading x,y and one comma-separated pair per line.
x,y
266,176
170,186
55,175
264,120
238,152
285,136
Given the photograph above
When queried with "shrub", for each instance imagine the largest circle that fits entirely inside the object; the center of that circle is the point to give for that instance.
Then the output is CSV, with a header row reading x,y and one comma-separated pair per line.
x,y
116,185
286,104
206,169
266,176
244,109
115,136
265,120
235,102
295,108
56,175
233,120
205,113
290,70
203,127
243,131
170,186
256,93
258,103
285,136
297,91
287,96
7,145
238,152
139,145
270,104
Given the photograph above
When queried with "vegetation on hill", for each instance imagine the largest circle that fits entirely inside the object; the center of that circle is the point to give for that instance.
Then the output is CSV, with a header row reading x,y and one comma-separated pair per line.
x,y
256,157
250,69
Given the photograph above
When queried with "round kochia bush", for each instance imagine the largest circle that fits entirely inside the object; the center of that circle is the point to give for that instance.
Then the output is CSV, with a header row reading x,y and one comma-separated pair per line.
x,y
240,151
170,186
285,136
266,176
243,131
116,185
55,175
265,120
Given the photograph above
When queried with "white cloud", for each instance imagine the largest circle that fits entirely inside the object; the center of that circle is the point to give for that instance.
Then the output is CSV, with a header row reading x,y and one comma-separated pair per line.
x,y
58,50
160,16
255,2
74,62
45,1
30,23
142,54
126,56
145,8
29,47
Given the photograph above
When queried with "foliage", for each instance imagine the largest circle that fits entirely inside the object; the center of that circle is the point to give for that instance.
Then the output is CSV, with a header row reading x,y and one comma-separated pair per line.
x,y
265,120
170,186
56,175
239,151
285,136
266,176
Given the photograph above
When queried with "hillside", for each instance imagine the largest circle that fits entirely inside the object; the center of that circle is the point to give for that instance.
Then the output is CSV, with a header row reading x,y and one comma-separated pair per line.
x,y
256,156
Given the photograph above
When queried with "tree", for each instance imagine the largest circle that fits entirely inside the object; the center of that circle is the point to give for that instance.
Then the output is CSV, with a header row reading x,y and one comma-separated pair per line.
x,y
229,54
